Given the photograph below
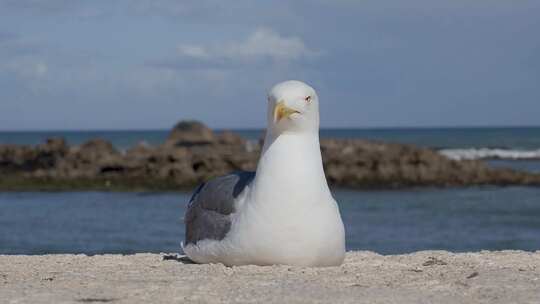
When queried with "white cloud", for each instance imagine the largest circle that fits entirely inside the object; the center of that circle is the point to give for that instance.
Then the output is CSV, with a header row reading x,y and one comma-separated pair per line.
x,y
20,57
26,68
40,69
194,51
261,44
265,42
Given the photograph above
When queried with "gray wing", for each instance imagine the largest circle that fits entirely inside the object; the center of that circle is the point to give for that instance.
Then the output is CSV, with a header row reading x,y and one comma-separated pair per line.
x,y
208,215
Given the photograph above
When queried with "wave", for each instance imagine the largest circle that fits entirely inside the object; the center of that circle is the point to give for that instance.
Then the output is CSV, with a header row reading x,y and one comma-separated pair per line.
x,y
489,153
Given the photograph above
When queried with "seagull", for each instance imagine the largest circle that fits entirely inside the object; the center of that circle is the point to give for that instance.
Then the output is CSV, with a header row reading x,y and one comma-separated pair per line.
x,y
282,214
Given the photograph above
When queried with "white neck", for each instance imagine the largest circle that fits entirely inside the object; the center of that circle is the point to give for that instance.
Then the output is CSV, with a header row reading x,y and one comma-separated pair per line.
x,y
290,164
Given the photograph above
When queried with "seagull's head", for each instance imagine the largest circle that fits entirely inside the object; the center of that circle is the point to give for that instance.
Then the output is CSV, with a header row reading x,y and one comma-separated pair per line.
x,y
293,106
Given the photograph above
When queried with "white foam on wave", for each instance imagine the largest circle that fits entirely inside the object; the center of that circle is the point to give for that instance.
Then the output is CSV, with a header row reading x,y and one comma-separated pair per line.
x,y
487,153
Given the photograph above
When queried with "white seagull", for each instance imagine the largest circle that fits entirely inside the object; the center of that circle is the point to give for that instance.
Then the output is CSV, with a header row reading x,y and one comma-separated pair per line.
x,y
284,212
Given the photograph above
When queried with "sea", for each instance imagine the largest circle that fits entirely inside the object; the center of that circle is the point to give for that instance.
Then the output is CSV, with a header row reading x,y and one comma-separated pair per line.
x,y
384,221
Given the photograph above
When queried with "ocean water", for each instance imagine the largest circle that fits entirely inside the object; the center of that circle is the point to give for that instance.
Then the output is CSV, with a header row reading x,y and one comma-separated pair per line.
x,y
388,222
397,221
519,138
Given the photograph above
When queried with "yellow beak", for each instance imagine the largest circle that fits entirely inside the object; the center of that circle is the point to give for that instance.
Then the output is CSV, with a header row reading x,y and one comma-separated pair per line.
x,y
281,111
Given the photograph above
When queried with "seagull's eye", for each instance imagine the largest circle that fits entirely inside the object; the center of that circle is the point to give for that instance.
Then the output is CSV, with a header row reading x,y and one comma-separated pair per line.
x,y
307,99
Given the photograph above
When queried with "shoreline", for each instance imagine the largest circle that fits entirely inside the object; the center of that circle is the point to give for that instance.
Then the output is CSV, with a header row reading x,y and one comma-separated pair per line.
x,y
365,277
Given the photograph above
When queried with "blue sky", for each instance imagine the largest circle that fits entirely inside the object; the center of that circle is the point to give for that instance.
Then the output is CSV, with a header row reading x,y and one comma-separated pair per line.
x,y
134,64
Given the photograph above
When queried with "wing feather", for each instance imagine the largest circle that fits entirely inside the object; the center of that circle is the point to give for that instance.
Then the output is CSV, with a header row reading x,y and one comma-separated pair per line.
x,y
208,215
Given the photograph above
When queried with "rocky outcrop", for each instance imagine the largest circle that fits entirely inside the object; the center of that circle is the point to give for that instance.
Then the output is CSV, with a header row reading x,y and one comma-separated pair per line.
x,y
193,153
361,164
190,133
194,133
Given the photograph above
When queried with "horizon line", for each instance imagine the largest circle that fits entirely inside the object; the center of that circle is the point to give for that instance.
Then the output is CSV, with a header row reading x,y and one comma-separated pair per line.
x,y
262,128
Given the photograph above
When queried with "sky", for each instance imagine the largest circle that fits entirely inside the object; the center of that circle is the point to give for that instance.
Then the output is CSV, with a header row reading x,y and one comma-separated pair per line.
x,y
136,64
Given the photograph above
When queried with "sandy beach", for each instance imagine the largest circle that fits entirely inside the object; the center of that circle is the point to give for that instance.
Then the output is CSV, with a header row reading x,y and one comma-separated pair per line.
x,y
365,277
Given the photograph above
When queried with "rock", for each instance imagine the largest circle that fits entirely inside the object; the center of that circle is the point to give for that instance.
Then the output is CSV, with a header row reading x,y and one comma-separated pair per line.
x,y
230,138
194,154
56,146
28,159
142,151
15,158
89,160
96,148
49,153
190,133
358,163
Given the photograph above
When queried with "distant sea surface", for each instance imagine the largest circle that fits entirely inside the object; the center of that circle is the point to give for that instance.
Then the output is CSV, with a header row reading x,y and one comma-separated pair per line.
x,y
397,221
518,138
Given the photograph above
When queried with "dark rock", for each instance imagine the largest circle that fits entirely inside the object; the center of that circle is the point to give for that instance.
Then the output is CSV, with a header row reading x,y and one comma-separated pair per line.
x,y
96,149
49,153
190,133
55,146
28,159
15,158
141,152
230,138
